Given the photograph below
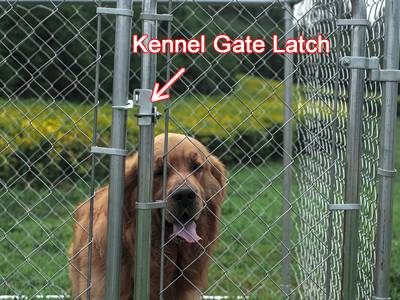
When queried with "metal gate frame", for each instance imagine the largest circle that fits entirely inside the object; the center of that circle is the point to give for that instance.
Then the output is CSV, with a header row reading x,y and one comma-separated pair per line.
x,y
389,75
351,206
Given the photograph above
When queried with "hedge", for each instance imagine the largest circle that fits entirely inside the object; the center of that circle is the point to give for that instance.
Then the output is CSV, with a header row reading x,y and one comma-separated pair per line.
x,y
51,139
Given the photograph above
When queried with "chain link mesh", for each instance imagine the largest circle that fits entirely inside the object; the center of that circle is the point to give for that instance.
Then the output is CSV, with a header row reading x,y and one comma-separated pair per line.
x,y
228,103
318,94
234,104
47,101
316,91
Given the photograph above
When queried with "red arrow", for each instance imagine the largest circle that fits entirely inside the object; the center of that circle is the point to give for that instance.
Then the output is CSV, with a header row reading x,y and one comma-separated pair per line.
x,y
158,93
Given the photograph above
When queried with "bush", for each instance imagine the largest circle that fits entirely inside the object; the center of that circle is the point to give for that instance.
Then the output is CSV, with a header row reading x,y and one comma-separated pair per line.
x,y
50,141
244,125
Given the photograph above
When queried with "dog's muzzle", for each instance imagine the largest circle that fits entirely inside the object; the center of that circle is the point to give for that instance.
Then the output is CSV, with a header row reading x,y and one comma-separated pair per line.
x,y
185,213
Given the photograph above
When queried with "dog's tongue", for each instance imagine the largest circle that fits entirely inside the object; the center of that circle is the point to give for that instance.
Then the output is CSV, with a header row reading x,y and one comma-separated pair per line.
x,y
187,232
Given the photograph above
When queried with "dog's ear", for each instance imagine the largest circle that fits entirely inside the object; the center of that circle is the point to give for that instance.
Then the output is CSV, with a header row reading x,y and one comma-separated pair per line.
x,y
131,165
100,223
218,172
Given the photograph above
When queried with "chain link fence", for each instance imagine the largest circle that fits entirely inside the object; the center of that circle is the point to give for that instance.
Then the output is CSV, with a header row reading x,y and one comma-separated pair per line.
x,y
323,92
47,91
277,237
51,86
234,104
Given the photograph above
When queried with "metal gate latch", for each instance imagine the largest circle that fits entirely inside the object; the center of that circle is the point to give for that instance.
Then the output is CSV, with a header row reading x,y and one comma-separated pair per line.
x,y
360,62
385,75
128,105
370,63
148,113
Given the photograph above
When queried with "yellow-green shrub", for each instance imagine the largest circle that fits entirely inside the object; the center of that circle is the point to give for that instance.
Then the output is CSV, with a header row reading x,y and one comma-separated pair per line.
x,y
52,139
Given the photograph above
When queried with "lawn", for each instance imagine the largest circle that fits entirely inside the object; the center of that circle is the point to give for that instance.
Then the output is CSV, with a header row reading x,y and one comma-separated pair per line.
x,y
35,214
33,257
37,228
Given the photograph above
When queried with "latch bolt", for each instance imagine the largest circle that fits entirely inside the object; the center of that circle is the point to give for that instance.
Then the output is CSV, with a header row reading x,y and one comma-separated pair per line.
x,y
148,113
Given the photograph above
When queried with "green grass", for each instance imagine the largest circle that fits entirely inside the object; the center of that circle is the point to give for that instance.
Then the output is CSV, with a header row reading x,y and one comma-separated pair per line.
x,y
249,247
33,255
35,222
37,228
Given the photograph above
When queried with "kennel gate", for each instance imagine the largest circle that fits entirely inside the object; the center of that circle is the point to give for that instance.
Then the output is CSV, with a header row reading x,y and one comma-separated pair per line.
x,y
306,262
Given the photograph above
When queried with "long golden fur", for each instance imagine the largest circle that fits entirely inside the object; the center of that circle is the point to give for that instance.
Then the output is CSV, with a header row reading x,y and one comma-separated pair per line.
x,y
186,264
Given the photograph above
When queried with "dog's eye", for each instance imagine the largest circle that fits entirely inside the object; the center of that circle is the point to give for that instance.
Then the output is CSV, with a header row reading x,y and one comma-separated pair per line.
x,y
159,170
196,167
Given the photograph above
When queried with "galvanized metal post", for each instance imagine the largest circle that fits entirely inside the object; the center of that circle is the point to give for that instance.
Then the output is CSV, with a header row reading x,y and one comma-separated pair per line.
x,y
287,155
354,131
118,143
387,153
145,176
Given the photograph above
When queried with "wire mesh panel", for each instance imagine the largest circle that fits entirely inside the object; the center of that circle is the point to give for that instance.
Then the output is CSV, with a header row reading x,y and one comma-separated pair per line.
x,y
323,107
47,56
317,96
369,160
53,72
234,105
49,89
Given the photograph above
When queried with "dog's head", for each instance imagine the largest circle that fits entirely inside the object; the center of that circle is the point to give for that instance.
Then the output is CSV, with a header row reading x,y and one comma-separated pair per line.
x,y
195,183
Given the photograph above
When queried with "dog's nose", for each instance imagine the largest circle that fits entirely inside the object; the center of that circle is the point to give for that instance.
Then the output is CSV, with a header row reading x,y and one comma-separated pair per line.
x,y
184,195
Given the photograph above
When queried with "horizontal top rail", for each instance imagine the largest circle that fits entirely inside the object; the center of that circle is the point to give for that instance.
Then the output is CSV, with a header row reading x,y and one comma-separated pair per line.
x,y
212,2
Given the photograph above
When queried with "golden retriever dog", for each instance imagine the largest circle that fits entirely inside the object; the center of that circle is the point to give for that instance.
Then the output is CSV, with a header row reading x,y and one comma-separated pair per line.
x,y
196,189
